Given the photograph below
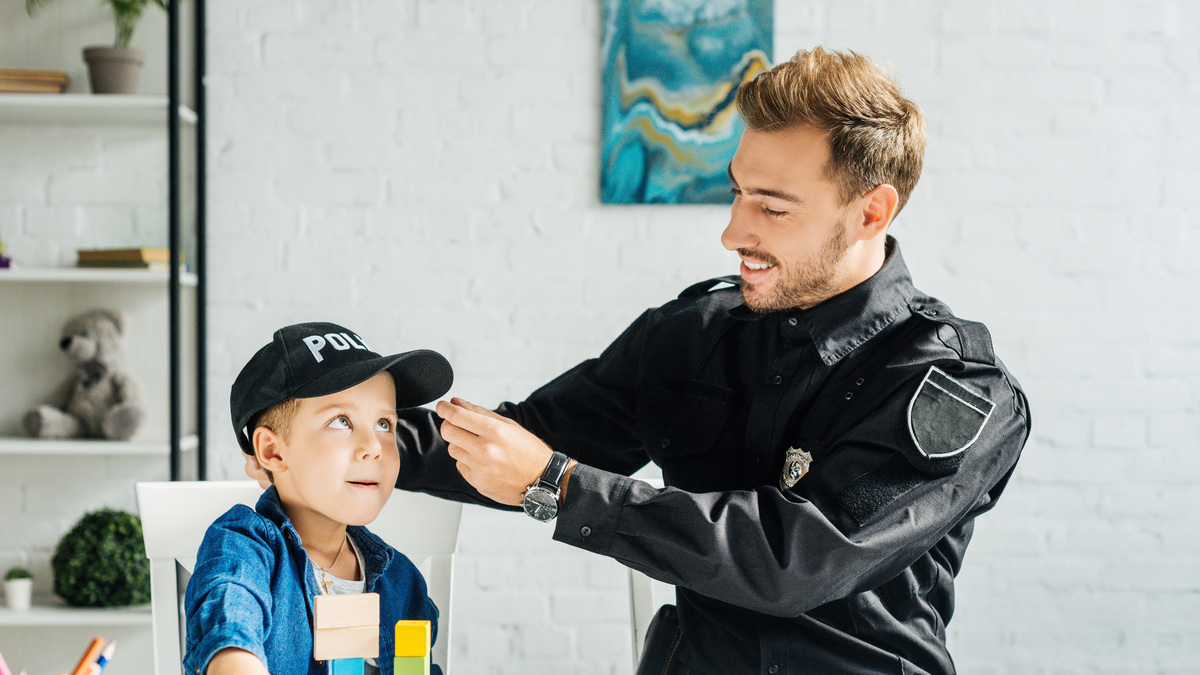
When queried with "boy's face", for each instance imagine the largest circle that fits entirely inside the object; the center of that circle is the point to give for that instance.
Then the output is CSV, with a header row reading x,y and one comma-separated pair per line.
x,y
340,461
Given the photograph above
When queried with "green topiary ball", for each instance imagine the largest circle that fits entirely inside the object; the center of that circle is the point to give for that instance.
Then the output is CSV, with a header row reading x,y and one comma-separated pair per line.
x,y
102,562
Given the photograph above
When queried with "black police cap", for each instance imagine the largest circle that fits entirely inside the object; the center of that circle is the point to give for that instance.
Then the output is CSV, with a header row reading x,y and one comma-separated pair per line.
x,y
307,360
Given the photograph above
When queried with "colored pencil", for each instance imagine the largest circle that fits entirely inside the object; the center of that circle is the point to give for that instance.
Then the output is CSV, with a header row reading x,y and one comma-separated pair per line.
x,y
89,656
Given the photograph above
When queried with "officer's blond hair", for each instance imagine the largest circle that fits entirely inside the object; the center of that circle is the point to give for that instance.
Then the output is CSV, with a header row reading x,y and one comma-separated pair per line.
x,y
876,135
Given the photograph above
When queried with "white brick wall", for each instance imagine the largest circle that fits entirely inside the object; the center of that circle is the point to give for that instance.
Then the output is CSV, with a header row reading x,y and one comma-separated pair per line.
x,y
425,171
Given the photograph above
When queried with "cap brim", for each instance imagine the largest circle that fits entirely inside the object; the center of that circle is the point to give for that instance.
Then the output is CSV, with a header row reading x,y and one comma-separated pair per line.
x,y
420,376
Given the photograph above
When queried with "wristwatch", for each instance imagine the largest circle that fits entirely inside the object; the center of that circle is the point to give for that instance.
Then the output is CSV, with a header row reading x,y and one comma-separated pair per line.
x,y
541,498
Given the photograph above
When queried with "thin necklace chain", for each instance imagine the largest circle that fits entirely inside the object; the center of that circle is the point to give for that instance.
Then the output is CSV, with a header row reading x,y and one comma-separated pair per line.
x,y
325,580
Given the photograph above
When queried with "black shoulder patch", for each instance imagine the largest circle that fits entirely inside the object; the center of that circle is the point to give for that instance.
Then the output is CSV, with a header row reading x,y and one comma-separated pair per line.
x,y
706,286
944,419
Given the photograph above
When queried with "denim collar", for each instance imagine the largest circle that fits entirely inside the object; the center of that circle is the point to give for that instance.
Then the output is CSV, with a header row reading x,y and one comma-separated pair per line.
x,y
848,320
377,555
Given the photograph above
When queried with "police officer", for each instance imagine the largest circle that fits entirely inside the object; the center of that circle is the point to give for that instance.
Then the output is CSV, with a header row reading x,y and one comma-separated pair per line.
x,y
827,433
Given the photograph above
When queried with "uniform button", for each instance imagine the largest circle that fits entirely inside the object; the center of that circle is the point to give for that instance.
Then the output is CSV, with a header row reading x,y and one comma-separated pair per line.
x,y
792,321
666,442
585,531
778,379
773,670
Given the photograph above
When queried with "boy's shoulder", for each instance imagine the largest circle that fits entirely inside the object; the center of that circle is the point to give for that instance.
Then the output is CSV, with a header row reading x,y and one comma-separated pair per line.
x,y
241,522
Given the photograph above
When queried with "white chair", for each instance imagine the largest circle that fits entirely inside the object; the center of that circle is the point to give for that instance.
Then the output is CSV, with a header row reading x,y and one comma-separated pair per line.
x,y
646,595
175,516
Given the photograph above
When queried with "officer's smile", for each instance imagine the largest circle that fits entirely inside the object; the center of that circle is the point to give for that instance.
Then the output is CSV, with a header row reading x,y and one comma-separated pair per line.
x,y
755,268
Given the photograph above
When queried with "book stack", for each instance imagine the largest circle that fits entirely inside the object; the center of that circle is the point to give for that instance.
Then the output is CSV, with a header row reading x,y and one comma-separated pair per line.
x,y
33,81
126,258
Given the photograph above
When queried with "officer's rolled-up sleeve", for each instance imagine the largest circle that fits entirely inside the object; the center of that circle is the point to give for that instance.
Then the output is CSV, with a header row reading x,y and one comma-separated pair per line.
x,y
773,551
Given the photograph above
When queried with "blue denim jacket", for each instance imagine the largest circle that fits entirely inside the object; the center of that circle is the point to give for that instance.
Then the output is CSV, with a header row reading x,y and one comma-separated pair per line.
x,y
253,589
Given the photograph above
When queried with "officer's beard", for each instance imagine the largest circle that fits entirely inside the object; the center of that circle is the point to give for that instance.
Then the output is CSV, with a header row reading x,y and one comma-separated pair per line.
x,y
804,284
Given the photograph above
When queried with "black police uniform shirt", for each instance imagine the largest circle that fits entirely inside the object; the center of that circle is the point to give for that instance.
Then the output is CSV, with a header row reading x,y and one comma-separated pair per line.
x,y
848,570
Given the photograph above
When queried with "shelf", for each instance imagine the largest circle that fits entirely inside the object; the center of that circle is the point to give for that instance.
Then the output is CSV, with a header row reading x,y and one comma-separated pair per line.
x,y
91,276
36,446
87,109
60,615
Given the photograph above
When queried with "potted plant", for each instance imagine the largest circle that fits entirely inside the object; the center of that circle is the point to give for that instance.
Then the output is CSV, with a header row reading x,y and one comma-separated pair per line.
x,y
18,588
115,69
101,561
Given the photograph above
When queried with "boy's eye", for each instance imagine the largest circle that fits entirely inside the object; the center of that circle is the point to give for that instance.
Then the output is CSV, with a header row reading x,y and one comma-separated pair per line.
x,y
383,425
340,422
772,212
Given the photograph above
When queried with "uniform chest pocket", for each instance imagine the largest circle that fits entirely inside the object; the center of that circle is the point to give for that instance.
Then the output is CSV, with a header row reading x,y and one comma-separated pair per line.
x,y
681,418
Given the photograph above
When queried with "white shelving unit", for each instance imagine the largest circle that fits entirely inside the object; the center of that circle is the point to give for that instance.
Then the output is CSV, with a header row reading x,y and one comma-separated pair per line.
x,y
38,302
56,614
34,305
91,276
87,109
97,448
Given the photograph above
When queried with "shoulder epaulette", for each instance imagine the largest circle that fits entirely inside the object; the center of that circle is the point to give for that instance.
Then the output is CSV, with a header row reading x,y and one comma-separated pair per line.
x,y
974,337
706,286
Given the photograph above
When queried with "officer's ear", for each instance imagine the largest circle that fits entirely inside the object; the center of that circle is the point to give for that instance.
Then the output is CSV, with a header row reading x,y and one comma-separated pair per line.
x,y
878,207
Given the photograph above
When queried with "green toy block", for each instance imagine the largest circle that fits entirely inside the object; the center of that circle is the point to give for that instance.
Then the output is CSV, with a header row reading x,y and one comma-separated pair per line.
x,y
411,665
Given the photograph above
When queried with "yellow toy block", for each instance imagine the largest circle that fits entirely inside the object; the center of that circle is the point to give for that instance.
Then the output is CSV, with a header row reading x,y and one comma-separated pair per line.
x,y
346,643
412,638
411,665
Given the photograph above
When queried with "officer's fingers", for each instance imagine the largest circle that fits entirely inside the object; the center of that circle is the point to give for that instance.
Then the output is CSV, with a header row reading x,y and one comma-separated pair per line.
x,y
458,437
481,410
471,420
254,470
464,470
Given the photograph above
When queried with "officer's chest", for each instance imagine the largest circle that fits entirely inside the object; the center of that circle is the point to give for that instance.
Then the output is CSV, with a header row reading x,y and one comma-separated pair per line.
x,y
717,408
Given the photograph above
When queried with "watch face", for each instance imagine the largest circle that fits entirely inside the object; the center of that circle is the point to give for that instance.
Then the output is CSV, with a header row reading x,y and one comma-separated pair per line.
x,y
541,504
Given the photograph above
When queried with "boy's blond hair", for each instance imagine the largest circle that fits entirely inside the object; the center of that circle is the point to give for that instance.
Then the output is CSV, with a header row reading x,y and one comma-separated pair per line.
x,y
278,418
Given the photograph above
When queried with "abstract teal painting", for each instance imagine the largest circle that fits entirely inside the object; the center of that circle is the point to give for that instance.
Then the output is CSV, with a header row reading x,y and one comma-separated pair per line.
x,y
671,71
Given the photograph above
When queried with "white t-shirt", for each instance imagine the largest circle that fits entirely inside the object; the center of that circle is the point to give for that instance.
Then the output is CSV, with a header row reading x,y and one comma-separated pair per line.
x,y
346,587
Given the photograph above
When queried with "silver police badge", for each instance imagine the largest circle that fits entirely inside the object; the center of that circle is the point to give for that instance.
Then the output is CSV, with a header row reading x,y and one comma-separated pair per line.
x,y
795,465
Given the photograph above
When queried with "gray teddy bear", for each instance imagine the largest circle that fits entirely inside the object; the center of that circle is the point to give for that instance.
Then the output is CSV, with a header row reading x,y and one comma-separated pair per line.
x,y
103,400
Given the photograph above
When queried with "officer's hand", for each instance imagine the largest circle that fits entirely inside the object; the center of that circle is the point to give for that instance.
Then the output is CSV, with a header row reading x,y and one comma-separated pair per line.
x,y
495,454
255,471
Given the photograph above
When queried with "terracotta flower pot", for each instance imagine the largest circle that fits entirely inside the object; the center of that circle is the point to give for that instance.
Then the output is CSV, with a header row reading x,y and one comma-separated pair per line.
x,y
17,593
114,70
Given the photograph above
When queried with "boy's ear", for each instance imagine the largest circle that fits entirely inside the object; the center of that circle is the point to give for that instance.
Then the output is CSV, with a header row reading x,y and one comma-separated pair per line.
x,y
268,448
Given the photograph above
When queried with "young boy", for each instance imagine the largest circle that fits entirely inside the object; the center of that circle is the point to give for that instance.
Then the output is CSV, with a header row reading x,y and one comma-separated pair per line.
x,y
317,408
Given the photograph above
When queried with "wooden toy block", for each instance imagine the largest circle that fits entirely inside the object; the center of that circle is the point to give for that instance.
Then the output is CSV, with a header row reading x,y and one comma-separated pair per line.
x,y
345,611
346,667
412,638
346,643
411,665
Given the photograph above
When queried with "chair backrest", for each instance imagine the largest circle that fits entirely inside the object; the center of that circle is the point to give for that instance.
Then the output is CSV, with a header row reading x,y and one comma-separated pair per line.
x,y
646,595
175,516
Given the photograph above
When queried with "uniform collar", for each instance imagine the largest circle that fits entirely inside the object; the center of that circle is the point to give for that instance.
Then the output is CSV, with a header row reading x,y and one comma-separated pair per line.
x,y
844,322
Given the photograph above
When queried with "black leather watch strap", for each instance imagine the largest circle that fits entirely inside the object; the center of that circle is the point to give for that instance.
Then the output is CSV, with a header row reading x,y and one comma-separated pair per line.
x,y
553,475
